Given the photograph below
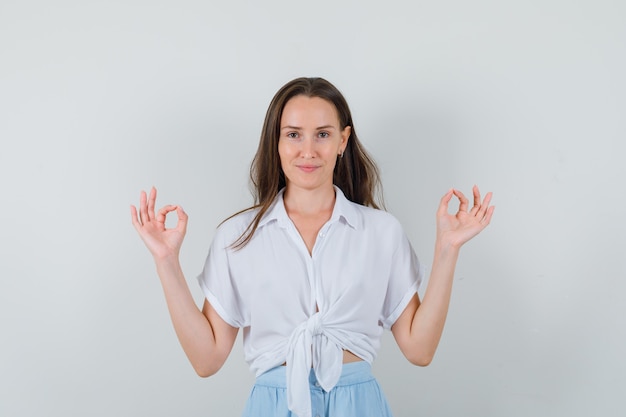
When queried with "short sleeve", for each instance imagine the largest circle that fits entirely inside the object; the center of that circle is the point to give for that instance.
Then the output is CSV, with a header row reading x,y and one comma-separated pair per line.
x,y
217,281
405,276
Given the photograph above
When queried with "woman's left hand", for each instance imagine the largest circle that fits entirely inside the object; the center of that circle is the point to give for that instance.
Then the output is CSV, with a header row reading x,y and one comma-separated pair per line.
x,y
456,229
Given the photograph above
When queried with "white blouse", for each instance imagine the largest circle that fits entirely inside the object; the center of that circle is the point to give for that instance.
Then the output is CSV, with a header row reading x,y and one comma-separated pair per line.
x,y
305,309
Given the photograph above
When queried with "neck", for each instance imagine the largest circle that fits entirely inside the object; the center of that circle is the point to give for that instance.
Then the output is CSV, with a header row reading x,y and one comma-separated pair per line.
x,y
309,202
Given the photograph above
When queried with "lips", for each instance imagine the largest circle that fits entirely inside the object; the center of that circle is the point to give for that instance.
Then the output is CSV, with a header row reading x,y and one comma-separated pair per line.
x,y
308,168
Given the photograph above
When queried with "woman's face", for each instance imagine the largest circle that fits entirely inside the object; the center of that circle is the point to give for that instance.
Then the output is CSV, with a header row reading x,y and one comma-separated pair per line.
x,y
310,141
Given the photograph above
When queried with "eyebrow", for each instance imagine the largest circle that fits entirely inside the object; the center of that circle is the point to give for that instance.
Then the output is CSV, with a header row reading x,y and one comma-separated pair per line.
x,y
299,128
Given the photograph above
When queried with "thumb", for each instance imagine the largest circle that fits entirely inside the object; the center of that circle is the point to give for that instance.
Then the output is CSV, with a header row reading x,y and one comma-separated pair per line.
x,y
442,210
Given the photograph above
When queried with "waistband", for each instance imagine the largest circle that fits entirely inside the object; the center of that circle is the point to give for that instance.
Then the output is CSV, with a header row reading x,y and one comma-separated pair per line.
x,y
351,373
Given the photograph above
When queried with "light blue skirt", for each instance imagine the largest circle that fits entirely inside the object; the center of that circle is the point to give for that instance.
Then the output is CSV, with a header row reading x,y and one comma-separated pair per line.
x,y
357,394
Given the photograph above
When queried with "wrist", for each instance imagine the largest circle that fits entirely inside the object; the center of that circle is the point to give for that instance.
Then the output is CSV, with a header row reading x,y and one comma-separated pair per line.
x,y
167,262
447,248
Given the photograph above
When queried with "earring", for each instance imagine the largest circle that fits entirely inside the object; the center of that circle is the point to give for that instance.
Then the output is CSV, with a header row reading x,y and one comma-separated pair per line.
x,y
341,154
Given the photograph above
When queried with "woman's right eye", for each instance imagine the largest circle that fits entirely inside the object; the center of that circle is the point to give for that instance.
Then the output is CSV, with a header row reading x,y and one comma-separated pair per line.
x,y
292,135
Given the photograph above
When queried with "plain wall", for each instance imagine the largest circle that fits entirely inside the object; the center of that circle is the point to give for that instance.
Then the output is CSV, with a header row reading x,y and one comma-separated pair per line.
x,y
99,100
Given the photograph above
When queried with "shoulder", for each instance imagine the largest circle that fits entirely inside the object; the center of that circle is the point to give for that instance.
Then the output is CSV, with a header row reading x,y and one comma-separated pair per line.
x,y
252,220
360,216
230,229
376,217
382,225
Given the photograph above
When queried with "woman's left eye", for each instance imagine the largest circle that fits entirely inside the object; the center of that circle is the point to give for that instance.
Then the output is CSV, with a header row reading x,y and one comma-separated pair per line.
x,y
323,135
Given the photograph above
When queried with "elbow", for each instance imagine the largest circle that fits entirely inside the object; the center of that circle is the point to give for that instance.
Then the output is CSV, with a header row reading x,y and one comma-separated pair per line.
x,y
421,359
423,362
203,373
207,365
206,370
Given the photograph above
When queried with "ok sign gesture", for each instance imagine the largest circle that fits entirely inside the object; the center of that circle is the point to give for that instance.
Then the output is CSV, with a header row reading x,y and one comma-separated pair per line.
x,y
456,229
161,242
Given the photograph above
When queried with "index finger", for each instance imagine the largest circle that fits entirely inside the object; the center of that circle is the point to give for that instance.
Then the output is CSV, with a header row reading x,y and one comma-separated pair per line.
x,y
151,203
444,202
463,201
476,192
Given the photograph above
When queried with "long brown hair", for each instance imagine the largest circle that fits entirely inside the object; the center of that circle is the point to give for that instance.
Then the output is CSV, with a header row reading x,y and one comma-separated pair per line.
x,y
356,173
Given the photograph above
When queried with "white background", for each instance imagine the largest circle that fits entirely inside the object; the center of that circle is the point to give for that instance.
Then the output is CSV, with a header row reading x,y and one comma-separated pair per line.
x,y
99,100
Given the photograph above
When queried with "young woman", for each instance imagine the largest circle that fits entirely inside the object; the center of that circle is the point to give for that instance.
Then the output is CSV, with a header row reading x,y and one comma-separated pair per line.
x,y
314,271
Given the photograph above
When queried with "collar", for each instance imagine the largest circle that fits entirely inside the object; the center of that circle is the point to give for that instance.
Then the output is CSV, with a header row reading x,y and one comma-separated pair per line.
x,y
344,210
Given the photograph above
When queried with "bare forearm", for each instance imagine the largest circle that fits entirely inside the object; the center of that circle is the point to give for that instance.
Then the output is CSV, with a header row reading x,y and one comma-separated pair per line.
x,y
204,336
420,326
429,320
192,327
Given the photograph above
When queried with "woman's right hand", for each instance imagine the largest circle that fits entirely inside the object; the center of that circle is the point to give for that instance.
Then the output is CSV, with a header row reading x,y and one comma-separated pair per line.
x,y
162,243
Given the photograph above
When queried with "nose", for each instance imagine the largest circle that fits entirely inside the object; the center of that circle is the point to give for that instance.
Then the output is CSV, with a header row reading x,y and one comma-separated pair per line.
x,y
308,148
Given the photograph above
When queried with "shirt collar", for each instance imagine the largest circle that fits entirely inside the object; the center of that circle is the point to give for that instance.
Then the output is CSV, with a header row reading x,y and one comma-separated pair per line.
x,y
344,209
